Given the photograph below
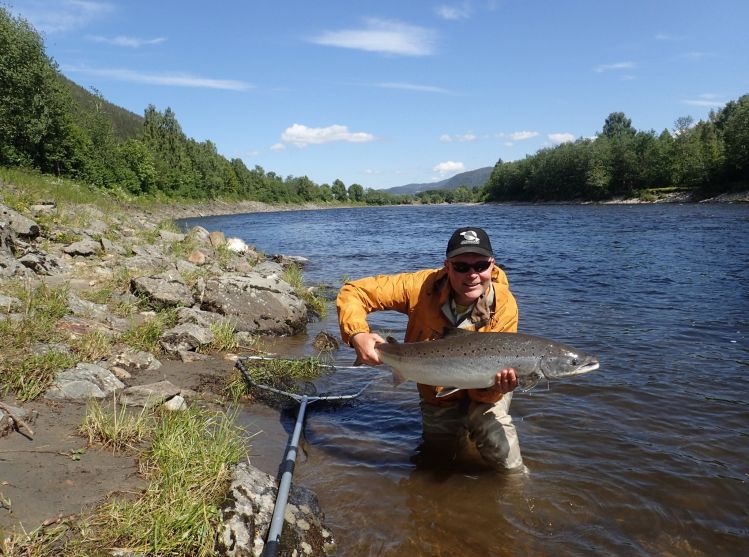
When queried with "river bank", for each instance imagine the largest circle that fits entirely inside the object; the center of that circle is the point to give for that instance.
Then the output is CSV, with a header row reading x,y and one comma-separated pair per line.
x,y
117,304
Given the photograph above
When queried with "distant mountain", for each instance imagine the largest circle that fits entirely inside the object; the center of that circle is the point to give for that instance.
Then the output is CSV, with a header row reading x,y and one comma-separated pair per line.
x,y
469,179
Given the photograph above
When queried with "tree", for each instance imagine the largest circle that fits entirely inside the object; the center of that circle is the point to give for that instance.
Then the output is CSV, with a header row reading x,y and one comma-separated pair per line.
x,y
339,191
356,193
616,125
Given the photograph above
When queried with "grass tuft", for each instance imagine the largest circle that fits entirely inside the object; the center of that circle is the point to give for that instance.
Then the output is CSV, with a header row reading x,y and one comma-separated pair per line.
x,y
116,428
223,336
146,335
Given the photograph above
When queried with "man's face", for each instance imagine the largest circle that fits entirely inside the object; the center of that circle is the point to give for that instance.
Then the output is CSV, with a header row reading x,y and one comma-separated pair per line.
x,y
467,282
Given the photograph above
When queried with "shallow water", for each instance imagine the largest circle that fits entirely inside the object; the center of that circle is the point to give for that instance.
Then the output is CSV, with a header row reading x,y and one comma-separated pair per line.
x,y
647,456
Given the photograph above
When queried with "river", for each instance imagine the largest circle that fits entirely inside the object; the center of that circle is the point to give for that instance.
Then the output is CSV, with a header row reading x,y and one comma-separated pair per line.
x,y
647,456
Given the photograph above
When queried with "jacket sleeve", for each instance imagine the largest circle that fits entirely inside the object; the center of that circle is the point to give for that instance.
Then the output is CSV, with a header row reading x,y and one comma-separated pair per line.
x,y
358,298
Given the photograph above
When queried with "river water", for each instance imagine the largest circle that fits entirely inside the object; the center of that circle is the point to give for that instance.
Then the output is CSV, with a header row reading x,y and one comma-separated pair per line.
x,y
647,456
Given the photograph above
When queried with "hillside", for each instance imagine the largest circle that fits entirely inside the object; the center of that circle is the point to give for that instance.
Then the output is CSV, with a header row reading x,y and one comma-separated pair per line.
x,y
126,124
469,179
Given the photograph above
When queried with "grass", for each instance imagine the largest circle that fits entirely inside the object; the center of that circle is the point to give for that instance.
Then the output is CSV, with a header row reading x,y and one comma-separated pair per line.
x,y
146,335
191,453
188,469
23,372
223,336
117,429
287,375
293,275
92,346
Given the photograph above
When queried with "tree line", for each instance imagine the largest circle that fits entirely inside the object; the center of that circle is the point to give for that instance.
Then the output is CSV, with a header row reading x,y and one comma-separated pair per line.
x,y
51,124
708,157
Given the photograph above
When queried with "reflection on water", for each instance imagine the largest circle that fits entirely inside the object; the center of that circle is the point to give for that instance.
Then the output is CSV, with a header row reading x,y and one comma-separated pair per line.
x,y
647,456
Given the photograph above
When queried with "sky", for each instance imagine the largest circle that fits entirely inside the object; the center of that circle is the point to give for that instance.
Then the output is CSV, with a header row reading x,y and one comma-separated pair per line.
x,y
385,93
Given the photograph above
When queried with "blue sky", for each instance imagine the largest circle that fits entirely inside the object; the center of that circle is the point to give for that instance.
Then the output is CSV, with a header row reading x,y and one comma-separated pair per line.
x,y
386,93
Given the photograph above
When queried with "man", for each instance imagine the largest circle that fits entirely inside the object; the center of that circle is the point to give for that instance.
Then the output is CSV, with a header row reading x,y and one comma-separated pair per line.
x,y
469,292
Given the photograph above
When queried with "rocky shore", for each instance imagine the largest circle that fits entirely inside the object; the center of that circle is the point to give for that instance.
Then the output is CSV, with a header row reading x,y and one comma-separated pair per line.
x,y
139,300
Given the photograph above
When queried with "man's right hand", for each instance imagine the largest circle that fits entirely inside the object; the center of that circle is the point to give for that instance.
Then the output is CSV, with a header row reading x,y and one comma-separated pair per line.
x,y
364,344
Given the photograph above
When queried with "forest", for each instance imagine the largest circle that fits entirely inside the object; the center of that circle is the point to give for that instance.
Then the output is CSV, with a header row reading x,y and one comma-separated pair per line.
x,y
50,124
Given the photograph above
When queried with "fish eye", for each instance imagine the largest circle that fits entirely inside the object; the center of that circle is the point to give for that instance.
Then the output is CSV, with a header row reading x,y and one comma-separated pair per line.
x,y
574,361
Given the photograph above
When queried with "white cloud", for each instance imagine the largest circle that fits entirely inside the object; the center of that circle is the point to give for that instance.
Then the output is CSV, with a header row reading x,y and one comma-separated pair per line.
x,y
561,137
462,138
301,136
169,79
277,147
522,135
445,138
381,35
413,87
615,67
449,167
667,37
372,172
508,144
704,102
60,16
121,40
454,13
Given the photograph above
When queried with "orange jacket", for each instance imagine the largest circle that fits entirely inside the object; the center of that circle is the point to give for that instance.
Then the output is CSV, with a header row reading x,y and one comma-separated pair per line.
x,y
419,295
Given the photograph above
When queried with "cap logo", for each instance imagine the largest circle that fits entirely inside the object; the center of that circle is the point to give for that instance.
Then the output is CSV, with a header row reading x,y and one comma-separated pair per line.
x,y
469,237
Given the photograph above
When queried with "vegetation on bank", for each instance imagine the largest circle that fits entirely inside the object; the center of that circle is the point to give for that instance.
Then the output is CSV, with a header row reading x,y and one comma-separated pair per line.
x,y
50,124
706,158
186,453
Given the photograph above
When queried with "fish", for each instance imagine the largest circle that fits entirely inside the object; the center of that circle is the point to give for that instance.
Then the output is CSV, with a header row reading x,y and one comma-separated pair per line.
x,y
471,360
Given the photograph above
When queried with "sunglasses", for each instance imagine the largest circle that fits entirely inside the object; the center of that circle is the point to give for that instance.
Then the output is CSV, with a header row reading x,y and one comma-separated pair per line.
x,y
462,267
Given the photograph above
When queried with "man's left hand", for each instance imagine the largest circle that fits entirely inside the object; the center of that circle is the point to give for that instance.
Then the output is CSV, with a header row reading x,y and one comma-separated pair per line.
x,y
506,382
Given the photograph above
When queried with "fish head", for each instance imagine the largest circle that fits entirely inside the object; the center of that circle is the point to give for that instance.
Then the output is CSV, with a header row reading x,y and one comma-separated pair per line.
x,y
563,361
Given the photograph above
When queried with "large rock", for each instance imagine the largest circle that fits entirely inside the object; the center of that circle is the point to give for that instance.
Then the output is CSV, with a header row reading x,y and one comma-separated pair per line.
x,y
153,394
136,359
165,289
9,304
248,510
97,312
256,303
200,317
43,263
23,226
84,248
83,382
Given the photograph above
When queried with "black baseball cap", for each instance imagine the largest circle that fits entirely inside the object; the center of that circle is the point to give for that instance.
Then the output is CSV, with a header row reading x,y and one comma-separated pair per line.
x,y
469,240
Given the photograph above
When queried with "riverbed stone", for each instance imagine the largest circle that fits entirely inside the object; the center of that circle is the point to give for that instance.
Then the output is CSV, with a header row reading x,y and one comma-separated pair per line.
x,y
165,289
24,227
149,395
187,337
257,304
43,263
83,382
248,510
84,248
136,359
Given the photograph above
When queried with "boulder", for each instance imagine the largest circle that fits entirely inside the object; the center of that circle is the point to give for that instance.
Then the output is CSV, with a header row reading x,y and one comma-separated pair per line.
x,y
165,289
24,227
136,359
200,234
84,248
149,395
197,257
288,260
97,312
269,269
83,382
169,236
237,245
217,238
43,263
256,303
9,304
110,247
247,512
199,317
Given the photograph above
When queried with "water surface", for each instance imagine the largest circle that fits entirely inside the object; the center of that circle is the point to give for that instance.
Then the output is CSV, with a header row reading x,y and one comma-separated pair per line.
x,y
647,456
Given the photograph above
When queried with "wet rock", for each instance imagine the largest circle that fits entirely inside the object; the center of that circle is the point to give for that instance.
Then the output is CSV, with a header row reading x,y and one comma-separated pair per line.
x,y
269,269
248,510
325,342
84,248
165,289
24,227
176,404
188,357
256,303
83,382
187,337
288,260
149,395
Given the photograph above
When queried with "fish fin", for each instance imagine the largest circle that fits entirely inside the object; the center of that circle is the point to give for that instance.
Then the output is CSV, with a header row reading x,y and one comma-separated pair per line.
x,y
391,340
398,377
358,362
448,332
447,391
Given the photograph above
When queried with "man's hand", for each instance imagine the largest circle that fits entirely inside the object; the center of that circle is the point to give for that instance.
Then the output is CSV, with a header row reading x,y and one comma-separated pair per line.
x,y
364,344
506,382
